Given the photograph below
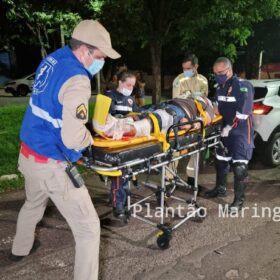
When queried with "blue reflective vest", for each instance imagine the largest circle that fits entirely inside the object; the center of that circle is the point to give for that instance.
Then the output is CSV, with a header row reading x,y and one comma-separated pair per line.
x,y
41,127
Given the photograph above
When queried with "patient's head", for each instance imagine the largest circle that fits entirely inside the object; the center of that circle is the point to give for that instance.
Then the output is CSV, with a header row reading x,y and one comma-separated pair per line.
x,y
126,82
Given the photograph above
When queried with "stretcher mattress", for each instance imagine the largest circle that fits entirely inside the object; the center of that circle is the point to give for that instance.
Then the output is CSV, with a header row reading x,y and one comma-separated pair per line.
x,y
133,149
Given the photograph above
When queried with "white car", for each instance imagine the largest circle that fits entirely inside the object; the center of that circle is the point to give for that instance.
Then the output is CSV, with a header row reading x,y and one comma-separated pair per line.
x,y
20,86
267,120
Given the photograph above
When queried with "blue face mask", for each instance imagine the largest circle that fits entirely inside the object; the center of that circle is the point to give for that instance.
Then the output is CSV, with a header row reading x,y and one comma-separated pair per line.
x,y
96,66
221,79
188,73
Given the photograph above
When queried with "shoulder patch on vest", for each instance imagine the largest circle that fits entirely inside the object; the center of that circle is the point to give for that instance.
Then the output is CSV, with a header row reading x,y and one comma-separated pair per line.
x,y
244,89
81,112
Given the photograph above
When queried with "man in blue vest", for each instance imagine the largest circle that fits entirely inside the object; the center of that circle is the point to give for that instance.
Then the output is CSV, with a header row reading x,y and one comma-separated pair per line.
x,y
53,134
234,98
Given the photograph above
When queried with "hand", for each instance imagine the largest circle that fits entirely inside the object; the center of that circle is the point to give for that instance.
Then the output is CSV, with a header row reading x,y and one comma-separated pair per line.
x,y
88,156
225,131
197,94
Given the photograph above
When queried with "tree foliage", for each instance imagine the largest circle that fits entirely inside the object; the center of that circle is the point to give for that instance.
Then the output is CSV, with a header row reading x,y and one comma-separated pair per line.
x,y
46,18
218,27
224,26
206,27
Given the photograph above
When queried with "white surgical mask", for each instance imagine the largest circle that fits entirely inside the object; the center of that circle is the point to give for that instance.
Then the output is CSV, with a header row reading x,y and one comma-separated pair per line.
x,y
126,92
188,73
96,66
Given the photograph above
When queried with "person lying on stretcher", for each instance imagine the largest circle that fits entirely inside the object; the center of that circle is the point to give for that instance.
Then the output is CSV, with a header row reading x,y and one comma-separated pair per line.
x,y
166,113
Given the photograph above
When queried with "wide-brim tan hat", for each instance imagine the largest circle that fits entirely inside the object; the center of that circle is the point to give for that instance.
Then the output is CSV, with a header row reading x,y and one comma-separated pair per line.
x,y
93,33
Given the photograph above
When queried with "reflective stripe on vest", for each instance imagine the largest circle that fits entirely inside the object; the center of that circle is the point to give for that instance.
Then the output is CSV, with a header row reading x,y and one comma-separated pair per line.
x,y
223,158
40,113
123,108
241,116
227,98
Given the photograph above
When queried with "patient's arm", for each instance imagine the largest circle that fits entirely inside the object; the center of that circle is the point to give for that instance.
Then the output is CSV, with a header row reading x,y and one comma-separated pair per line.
x,y
186,126
116,128
195,125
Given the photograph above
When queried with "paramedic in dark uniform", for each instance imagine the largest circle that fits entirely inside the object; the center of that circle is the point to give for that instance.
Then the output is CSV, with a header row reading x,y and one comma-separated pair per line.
x,y
53,129
234,98
122,104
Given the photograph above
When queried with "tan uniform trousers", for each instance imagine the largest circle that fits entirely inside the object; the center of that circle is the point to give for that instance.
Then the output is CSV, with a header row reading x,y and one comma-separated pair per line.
x,y
190,169
49,180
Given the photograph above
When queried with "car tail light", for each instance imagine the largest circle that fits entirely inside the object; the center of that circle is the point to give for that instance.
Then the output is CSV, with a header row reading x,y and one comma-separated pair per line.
x,y
261,109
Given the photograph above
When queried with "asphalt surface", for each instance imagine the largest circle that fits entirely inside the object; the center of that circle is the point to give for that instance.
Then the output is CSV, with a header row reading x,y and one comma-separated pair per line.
x,y
212,248
244,247
8,99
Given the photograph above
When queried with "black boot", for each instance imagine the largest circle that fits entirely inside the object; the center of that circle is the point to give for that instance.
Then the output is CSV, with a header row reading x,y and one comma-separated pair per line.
x,y
191,183
239,198
220,190
222,169
240,175
121,215
16,258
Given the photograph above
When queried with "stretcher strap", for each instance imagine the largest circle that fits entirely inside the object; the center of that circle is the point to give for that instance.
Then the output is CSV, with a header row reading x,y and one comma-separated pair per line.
x,y
116,173
202,114
158,135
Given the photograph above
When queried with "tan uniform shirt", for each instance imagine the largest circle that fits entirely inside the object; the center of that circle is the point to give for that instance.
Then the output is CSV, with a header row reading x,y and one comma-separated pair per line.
x,y
74,96
184,86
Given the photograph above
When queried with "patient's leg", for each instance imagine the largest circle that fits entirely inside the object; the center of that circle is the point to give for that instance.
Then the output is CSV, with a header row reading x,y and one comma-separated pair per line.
x,y
133,128
141,128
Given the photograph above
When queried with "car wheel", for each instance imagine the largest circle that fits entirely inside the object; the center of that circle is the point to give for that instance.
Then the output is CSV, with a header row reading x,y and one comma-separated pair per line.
x,y
272,151
22,90
15,93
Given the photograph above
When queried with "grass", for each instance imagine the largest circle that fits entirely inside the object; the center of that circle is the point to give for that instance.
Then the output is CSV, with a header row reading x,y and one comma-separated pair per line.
x,y
10,121
14,184
11,117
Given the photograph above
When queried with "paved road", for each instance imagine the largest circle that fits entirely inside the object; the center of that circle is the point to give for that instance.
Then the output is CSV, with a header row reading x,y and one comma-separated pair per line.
x,y
217,248
8,99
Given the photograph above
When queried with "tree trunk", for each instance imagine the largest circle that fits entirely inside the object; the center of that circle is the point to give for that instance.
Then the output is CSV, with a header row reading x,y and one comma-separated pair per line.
x,y
156,68
62,40
37,32
43,50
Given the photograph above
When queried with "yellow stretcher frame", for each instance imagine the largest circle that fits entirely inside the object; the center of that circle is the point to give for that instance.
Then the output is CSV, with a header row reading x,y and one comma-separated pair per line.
x,y
129,141
102,142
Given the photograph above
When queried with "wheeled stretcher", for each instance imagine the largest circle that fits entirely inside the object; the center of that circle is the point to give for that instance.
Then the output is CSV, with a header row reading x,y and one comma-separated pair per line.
x,y
133,156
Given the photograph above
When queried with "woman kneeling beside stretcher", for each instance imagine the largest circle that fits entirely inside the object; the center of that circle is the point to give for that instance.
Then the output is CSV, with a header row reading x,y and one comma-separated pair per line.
x,y
167,113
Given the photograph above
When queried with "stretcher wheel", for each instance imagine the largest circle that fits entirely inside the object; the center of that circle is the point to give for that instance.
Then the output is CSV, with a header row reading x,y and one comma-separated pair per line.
x,y
202,213
163,241
200,216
